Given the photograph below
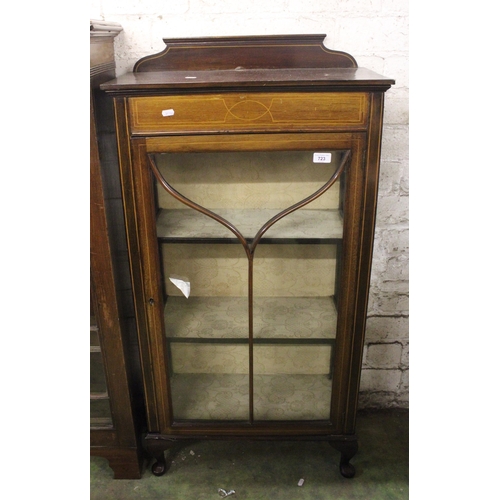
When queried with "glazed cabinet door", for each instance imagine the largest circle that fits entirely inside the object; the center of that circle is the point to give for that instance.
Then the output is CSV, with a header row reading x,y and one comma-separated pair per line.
x,y
249,250
100,409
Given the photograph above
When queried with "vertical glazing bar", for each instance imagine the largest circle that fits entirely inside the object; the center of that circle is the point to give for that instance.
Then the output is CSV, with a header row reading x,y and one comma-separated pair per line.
x,y
250,333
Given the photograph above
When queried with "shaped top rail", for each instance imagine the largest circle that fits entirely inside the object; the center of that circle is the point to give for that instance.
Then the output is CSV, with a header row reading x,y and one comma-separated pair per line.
x,y
245,52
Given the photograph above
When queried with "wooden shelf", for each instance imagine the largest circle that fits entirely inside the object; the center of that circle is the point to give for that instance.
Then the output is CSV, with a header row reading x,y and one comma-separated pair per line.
x,y
97,422
95,396
188,224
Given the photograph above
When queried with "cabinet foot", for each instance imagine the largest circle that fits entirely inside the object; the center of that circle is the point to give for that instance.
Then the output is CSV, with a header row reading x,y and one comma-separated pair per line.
x,y
160,466
155,446
347,469
348,448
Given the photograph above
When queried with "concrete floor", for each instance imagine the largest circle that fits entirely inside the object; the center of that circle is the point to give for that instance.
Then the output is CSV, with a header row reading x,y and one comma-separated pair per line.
x,y
272,470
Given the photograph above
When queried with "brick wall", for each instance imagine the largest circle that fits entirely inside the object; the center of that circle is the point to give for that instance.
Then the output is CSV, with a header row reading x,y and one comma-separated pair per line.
x,y
375,32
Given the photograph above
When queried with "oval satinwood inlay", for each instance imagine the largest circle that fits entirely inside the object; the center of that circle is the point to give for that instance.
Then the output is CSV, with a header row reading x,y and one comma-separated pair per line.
x,y
248,110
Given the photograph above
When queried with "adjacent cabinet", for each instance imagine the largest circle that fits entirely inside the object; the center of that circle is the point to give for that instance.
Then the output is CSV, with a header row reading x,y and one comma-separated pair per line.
x,y
249,171
116,415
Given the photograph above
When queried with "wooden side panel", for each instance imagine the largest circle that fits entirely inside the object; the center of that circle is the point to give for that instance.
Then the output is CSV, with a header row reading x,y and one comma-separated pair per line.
x,y
367,225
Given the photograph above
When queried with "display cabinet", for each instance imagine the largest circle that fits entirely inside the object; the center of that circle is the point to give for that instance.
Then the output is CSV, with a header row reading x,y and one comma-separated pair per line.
x,y
115,387
249,170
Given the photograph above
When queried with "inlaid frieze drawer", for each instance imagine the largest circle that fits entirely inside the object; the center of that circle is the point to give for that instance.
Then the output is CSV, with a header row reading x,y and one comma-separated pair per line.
x,y
245,112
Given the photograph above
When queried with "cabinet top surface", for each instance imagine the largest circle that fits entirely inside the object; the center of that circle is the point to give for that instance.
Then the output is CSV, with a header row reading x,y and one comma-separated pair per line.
x,y
335,78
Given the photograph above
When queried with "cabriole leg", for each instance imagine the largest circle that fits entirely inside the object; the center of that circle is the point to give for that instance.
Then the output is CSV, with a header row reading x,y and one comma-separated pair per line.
x,y
347,447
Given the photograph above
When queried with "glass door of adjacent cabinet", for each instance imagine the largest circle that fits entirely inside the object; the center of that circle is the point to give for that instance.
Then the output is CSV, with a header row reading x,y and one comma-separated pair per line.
x,y
100,410
251,248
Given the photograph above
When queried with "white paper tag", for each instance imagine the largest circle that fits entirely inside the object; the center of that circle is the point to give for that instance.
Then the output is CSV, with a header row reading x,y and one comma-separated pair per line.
x,y
168,112
322,157
182,284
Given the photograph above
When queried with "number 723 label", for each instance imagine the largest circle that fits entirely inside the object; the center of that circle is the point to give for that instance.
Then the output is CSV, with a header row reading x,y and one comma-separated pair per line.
x,y
322,157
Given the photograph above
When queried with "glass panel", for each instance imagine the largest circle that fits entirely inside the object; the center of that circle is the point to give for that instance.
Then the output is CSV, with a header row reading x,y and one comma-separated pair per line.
x,y
266,291
94,337
295,316
208,331
97,374
294,331
100,413
210,381
245,188
292,382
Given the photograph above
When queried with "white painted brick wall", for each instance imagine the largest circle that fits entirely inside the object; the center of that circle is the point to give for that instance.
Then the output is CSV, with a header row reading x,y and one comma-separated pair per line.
x,y
375,32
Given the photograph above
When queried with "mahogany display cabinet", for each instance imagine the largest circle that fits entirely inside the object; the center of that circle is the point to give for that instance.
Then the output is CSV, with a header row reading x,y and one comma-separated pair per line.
x,y
249,170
